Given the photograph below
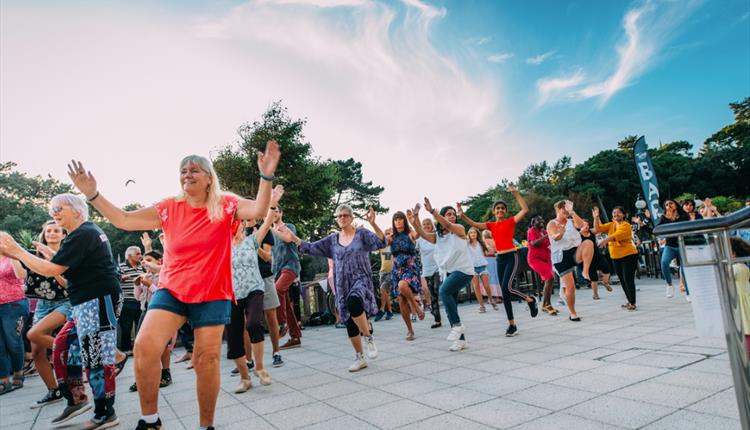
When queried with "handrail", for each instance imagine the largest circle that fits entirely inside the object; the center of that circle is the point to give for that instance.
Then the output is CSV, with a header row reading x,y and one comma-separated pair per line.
x,y
705,225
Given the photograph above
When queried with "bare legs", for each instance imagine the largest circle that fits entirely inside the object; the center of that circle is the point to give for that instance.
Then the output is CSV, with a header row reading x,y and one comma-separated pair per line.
x,y
40,336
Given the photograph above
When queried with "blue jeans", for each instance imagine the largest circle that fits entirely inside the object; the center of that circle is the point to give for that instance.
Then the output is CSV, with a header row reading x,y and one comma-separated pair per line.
x,y
449,294
669,253
12,316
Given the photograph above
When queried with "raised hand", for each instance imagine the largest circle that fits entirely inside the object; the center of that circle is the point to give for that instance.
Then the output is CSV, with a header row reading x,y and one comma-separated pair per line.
x,y
82,179
568,206
269,160
427,205
417,207
8,245
43,249
283,232
595,211
146,242
370,215
512,188
410,216
459,210
276,194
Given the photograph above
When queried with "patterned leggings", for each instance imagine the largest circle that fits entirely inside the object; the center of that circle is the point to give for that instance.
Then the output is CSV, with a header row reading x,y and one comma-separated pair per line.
x,y
88,341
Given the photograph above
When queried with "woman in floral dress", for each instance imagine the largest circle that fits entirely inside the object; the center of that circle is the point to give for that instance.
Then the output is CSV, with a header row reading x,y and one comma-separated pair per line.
x,y
406,271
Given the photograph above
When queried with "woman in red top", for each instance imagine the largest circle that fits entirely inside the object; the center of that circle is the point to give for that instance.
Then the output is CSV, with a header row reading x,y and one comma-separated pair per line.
x,y
196,278
540,259
506,257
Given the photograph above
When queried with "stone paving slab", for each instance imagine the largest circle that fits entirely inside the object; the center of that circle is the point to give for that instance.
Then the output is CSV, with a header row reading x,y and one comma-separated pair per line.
x,y
613,370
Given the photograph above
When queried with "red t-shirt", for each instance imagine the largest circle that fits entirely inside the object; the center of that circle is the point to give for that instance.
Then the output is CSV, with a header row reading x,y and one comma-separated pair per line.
x,y
198,253
502,233
542,250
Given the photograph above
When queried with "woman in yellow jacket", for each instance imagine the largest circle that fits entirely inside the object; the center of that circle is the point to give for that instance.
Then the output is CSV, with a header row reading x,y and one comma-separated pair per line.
x,y
621,249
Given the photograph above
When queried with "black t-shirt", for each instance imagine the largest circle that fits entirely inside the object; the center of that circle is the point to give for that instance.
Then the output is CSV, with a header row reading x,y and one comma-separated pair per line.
x,y
673,241
92,272
263,265
40,287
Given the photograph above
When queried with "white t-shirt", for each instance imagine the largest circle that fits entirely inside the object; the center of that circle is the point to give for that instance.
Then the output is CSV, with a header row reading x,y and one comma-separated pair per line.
x,y
477,254
427,254
452,255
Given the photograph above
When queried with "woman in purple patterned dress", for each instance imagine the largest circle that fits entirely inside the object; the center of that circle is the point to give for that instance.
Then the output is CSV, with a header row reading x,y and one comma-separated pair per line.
x,y
406,271
350,250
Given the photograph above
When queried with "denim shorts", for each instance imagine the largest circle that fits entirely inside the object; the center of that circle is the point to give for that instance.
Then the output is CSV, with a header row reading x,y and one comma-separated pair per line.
x,y
216,312
481,270
46,307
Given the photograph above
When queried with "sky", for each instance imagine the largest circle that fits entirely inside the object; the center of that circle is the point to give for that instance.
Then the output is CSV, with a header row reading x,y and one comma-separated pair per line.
x,y
435,98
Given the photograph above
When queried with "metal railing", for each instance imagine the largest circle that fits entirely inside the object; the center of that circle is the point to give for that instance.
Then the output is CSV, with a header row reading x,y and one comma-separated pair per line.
x,y
717,232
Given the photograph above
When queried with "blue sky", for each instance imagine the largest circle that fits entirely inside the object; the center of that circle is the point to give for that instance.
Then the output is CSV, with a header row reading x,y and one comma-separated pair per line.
x,y
465,92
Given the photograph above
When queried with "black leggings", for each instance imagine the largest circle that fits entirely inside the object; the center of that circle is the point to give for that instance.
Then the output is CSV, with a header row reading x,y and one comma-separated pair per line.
x,y
507,267
433,285
249,309
625,268
356,308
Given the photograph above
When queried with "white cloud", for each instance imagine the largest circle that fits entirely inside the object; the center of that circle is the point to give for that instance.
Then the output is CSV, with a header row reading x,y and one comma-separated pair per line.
x,y
552,87
131,93
479,41
648,28
500,58
541,58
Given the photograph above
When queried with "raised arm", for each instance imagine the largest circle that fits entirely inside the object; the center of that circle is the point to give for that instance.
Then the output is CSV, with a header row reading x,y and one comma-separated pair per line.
x,y
413,217
578,222
370,217
276,194
139,219
9,247
267,163
456,229
597,221
521,203
471,222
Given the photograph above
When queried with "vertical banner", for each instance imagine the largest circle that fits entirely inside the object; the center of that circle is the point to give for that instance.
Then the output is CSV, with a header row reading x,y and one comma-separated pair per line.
x,y
648,178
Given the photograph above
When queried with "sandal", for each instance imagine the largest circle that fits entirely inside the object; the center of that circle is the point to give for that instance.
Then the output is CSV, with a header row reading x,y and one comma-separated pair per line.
x,y
482,309
420,313
549,309
608,287
120,366
187,356
18,381
596,298
410,336
6,387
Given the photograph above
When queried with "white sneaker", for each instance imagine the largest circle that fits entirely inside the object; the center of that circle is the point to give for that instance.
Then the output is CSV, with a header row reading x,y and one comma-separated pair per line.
x,y
358,364
561,301
372,350
670,291
455,333
688,299
243,386
458,345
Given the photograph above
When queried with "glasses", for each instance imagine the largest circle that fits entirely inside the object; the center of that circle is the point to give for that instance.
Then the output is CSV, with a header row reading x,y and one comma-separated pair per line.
x,y
341,216
56,210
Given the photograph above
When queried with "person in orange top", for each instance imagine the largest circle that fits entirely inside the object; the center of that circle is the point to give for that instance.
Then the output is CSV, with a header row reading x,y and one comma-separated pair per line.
x,y
507,258
196,278
621,249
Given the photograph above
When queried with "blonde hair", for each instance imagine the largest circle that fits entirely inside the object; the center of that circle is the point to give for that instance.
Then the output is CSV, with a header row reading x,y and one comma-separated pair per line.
x,y
213,199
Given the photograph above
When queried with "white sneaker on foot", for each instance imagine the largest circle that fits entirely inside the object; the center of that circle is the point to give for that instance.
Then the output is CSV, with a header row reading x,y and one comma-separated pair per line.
x,y
670,291
456,332
458,345
358,364
688,299
372,349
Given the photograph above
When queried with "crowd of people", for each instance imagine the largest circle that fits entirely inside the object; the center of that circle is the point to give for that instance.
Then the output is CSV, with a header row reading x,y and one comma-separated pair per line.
x,y
226,271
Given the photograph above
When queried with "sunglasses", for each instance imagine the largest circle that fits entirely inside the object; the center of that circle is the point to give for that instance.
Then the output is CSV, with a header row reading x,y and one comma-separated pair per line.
x,y
339,216
56,210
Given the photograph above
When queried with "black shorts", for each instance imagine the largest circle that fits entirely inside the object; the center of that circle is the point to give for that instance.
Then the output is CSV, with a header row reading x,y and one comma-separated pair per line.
x,y
568,263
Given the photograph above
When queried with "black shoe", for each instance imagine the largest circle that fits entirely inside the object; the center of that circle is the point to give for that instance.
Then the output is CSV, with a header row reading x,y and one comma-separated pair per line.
x,y
98,423
142,425
52,396
277,361
512,331
166,378
250,365
436,325
533,308
71,412
235,372
133,388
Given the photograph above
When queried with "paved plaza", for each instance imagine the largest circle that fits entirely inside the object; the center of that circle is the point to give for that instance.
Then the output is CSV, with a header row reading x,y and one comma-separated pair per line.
x,y
615,369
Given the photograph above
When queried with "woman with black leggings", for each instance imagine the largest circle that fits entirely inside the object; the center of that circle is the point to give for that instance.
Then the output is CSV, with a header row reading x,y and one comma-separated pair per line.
x,y
350,249
507,258
623,252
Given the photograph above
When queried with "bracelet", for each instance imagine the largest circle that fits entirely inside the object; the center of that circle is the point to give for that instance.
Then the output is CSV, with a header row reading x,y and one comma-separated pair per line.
x,y
267,178
95,197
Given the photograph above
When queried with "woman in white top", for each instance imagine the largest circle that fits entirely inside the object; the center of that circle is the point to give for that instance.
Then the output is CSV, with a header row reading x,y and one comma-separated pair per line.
x,y
430,274
453,261
568,251
481,278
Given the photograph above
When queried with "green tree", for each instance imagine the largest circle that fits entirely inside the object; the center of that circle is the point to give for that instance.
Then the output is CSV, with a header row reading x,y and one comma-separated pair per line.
x,y
309,181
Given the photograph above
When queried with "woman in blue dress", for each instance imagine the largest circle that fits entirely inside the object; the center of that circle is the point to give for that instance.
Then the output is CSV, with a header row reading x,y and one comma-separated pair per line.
x,y
406,271
350,250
